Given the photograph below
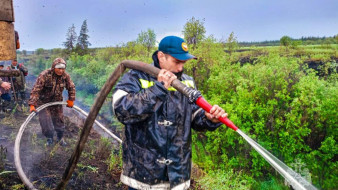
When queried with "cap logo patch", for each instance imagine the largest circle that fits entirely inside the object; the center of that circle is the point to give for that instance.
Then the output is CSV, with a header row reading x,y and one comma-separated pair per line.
x,y
184,46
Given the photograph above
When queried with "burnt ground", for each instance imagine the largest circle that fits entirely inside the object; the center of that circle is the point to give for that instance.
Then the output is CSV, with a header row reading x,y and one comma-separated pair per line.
x,y
99,166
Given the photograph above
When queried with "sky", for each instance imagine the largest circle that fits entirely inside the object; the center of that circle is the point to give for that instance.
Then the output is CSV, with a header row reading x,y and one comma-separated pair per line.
x,y
44,23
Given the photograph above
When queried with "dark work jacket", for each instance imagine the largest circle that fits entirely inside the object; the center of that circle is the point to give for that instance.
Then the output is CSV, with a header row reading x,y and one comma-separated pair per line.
x,y
158,126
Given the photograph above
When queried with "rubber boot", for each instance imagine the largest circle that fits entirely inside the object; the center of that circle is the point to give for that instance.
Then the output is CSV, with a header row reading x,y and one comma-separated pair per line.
x,y
5,106
49,142
23,98
60,139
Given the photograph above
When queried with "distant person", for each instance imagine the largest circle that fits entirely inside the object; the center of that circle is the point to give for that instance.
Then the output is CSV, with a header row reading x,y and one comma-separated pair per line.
x,y
19,82
158,121
4,92
48,88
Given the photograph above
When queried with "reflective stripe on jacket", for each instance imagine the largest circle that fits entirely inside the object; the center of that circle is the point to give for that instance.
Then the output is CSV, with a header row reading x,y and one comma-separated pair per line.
x,y
157,139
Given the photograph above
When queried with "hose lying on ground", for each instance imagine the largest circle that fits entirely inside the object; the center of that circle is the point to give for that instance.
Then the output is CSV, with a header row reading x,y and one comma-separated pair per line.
x,y
17,160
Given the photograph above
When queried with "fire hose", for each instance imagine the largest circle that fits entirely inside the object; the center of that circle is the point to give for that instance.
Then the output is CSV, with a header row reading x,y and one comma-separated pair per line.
x,y
17,160
297,182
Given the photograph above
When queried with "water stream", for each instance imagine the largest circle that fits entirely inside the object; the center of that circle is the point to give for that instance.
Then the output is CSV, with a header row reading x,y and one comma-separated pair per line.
x,y
292,177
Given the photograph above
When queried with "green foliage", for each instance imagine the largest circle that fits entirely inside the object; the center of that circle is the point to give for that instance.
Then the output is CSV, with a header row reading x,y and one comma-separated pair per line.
x,y
231,43
209,54
272,184
147,39
82,41
70,42
296,43
40,51
103,148
275,99
194,31
115,160
324,165
17,187
224,180
134,51
279,106
285,41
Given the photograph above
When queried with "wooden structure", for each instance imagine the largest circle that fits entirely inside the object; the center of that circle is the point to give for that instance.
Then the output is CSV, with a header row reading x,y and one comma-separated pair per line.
x,y
7,34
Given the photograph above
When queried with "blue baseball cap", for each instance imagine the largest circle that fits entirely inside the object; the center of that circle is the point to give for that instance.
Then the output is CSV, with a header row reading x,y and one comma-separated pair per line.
x,y
176,47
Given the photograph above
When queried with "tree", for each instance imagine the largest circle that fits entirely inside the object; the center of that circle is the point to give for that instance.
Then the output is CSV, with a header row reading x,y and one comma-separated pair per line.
x,y
285,41
39,51
231,43
296,43
194,31
147,39
71,38
82,41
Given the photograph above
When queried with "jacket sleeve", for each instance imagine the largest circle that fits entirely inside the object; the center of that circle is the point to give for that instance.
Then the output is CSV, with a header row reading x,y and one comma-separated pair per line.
x,y
38,86
70,86
23,69
200,122
132,103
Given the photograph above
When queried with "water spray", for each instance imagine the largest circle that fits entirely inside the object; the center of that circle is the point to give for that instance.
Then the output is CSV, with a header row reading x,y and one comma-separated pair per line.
x,y
293,178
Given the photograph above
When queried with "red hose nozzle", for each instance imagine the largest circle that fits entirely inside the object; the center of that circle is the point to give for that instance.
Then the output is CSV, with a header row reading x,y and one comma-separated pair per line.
x,y
201,102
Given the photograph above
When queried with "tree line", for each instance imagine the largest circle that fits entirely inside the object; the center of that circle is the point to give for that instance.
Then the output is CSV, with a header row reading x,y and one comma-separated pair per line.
x,y
193,32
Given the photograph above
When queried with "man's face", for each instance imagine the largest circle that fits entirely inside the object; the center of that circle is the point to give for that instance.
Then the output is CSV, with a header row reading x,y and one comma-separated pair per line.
x,y
14,63
1,67
170,63
59,71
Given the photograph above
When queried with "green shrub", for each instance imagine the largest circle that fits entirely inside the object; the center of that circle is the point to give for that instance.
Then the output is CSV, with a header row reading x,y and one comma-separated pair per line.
x,y
224,180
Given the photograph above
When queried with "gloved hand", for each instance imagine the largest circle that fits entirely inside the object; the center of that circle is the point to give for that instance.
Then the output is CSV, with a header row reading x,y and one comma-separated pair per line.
x,y
70,103
32,109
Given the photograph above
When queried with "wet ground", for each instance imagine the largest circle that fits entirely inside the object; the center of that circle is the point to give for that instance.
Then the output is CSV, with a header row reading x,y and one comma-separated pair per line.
x,y
98,167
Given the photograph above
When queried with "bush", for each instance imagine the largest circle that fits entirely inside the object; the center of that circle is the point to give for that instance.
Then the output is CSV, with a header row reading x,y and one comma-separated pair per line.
x,y
224,180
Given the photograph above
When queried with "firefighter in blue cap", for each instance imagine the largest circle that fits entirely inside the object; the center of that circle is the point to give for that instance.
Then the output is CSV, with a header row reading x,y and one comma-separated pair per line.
x,y
158,121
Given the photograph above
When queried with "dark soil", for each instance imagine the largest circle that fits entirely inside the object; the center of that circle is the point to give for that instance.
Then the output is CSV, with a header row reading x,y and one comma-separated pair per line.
x,y
44,166
99,166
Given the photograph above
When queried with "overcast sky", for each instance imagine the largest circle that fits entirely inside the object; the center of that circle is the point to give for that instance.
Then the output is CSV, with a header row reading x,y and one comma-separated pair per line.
x,y
44,23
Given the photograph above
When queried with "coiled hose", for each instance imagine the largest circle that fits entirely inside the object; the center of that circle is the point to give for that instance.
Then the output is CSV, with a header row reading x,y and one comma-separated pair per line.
x,y
17,160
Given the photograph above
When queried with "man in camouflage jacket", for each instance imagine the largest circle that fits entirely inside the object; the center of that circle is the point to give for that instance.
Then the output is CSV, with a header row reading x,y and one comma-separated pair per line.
x,y
48,88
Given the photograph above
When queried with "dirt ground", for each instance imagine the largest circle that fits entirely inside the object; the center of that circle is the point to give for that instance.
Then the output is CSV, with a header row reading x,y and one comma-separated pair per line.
x,y
99,166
